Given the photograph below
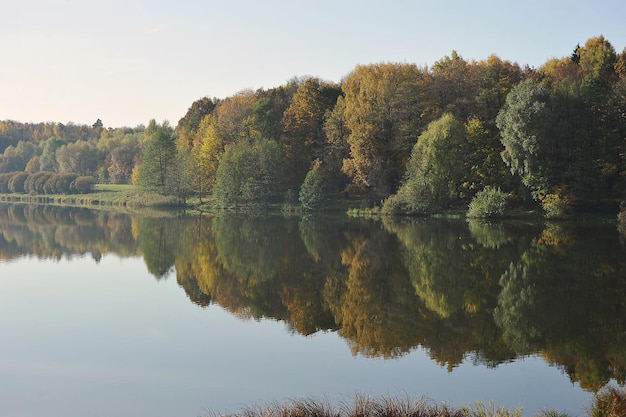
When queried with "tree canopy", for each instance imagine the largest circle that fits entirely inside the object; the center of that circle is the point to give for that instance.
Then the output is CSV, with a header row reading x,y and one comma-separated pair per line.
x,y
553,136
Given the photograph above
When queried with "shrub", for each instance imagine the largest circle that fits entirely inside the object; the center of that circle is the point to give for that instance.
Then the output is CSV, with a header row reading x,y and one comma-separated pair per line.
x,y
556,205
83,184
16,183
60,183
4,181
413,197
34,184
488,203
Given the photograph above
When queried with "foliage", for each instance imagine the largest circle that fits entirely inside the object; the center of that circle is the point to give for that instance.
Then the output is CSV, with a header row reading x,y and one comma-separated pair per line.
x,y
15,158
16,182
435,171
553,134
381,113
249,174
312,192
79,157
556,205
4,181
303,138
488,203
189,124
178,184
83,184
35,183
234,118
123,159
523,122
158,157
207,150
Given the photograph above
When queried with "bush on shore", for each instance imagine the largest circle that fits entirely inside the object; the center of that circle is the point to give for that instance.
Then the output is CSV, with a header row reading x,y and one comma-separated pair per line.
x,y
488,203
44,182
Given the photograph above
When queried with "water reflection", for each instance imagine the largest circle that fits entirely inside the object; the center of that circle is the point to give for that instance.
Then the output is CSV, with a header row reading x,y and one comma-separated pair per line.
x,y
490,291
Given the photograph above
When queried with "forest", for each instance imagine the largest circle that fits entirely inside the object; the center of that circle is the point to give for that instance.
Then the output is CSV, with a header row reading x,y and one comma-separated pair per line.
x,y
491,135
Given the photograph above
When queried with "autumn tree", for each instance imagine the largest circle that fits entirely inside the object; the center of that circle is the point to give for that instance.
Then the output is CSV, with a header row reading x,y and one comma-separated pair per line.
x,y
189,124
303,139
122,160
451,87
234,117
338,148
206,151
16,157
495,78
382,114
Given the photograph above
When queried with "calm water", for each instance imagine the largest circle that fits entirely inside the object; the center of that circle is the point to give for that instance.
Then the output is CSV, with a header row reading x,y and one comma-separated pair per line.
x,y
112,315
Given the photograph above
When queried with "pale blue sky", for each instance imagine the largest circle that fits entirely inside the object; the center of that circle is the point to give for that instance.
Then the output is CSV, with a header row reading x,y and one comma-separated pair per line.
x,y
129,61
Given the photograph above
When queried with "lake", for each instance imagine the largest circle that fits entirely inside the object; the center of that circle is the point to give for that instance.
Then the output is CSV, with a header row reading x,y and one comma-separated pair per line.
x,y
109,314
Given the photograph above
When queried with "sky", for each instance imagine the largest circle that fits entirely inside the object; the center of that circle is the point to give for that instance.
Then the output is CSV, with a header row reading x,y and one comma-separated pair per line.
x,y
129,61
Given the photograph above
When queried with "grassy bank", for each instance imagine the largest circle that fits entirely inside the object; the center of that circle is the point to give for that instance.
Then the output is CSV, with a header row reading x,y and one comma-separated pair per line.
x,y
104,195
610,402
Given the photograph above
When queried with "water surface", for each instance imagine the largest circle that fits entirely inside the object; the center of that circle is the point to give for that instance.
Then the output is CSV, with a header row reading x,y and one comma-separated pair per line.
x,y
111,314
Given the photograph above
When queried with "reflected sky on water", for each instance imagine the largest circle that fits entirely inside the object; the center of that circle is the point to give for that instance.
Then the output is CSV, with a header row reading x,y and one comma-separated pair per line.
x,y
83,339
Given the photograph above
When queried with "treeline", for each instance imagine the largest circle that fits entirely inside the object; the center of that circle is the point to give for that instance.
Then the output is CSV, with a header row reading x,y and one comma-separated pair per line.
x,y
405,138
107,155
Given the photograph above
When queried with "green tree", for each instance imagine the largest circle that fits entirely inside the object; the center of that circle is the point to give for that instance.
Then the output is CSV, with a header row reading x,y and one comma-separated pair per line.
x,y
47,161
249,174
178,181
268,110
312,192
158,157
79,157
529,149
436,170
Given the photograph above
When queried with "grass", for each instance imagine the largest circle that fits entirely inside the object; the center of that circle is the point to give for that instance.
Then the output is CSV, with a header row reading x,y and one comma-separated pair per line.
x,y
115,196
390,406
609,402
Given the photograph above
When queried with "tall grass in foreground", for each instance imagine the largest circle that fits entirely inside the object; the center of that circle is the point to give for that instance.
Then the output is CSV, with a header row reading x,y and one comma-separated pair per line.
x,y
610,402
386,406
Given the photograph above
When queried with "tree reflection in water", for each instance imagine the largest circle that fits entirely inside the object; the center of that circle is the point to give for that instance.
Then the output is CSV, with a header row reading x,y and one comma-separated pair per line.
x,y
491,291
